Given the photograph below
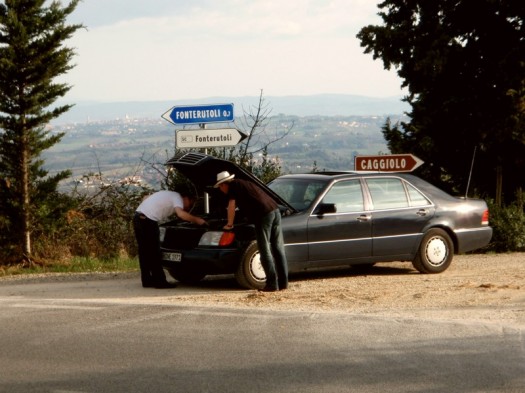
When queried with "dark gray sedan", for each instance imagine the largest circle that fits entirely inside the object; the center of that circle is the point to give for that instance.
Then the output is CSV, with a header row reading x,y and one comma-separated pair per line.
x,y
330,219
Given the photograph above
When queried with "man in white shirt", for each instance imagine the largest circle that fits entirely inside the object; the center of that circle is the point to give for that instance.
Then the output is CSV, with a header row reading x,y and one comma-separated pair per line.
x,y
154,209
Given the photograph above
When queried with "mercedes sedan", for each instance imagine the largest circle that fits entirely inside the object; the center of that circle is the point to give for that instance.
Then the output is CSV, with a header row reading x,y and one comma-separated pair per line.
x,y
330,219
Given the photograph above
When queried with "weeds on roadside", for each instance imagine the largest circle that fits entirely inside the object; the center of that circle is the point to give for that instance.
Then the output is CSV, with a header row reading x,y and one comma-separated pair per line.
x,y
74,265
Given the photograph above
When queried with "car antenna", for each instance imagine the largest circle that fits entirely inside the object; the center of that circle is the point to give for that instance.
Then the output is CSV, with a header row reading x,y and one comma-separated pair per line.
x,y
470,173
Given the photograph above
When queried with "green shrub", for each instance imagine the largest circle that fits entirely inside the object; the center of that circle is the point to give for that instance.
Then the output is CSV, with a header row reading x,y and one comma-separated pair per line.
x,y
508,223
97,225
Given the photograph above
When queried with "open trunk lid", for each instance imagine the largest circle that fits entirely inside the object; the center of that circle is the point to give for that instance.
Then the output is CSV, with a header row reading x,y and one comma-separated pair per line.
x,y
202,170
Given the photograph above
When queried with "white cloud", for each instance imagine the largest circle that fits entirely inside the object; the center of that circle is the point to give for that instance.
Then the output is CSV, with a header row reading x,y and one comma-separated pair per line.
x,y
229,48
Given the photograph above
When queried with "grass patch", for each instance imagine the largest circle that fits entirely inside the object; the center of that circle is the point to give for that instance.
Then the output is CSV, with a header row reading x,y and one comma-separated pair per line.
x,y
74,265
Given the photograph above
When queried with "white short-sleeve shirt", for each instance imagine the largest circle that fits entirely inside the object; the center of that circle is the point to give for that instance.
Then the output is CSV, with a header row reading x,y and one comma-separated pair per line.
x,y
161,205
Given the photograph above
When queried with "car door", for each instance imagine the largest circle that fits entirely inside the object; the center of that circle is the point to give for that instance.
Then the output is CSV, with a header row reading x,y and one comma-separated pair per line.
x,y
343,234
400,213
299,193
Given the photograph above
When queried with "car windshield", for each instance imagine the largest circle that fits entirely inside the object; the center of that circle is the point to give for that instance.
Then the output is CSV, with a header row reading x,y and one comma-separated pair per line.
x,y
299,193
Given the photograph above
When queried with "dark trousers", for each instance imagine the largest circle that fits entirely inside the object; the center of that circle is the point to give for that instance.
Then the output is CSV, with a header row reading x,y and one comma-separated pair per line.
x,y
147,235
271,246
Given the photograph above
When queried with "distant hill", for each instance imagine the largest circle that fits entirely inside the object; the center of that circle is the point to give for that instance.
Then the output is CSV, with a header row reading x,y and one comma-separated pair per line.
x,y
322,104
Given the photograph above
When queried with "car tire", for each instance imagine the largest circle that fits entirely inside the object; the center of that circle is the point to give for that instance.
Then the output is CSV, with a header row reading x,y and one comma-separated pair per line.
x,y
250,273
185,275
435,252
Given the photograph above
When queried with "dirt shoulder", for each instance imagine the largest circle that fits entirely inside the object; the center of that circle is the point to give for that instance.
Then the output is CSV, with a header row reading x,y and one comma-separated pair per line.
x,y
475,287
486,288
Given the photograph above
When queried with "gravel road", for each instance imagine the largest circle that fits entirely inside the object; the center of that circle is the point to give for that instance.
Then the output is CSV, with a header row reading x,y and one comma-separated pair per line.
x,y
484,287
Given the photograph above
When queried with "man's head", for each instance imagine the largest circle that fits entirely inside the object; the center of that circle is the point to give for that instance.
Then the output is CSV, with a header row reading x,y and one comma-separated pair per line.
x,y
188,200
223,180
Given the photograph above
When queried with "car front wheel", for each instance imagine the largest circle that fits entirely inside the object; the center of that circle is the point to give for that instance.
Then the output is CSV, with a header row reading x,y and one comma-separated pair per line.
x,y
435,252
250,273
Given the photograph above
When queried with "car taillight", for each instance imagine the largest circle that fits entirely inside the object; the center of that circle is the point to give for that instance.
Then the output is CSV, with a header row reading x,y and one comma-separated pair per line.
x,y
485,218
227,238
217,238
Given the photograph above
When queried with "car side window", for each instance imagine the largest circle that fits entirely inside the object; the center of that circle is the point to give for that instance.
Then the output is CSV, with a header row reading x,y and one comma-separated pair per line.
x,y
346,195
387,193
416,198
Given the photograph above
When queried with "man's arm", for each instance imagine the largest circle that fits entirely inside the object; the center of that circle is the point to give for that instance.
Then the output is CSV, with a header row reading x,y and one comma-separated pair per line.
x,y
184,215
231,214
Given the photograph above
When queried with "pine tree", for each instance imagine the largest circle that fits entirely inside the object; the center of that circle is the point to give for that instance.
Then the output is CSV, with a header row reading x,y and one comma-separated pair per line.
x,y
462,62
32,56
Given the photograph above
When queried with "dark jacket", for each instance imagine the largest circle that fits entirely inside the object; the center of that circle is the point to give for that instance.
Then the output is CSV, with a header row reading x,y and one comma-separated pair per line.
x,y
251,200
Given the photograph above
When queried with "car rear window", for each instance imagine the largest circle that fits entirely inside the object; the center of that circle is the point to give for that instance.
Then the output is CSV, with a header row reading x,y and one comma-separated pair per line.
x,y
416,198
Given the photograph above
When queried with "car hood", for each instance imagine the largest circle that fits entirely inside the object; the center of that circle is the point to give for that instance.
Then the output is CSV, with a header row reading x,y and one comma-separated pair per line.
x,y
202,170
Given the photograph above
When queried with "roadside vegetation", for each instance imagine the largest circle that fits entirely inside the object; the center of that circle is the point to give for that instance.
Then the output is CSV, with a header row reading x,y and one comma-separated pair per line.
x,y
465,79
96,234
74,265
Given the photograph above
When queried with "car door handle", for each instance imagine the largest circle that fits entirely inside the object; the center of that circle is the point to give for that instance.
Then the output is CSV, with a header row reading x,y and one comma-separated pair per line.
x,y
422,212
364,217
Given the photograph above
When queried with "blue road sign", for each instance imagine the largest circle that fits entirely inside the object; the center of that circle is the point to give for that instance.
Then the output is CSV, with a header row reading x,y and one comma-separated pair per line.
x,y
200,114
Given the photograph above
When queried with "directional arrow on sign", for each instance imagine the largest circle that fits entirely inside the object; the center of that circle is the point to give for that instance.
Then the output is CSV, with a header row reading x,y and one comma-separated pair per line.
x,y
200,114
215,137
387,163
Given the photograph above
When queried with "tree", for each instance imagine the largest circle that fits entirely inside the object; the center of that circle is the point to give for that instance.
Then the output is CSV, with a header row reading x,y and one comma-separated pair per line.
x,y
252,154
32,56
462,63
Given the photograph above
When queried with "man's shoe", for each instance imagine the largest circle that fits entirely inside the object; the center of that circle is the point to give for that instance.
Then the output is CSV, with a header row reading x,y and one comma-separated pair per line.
x,y
164,285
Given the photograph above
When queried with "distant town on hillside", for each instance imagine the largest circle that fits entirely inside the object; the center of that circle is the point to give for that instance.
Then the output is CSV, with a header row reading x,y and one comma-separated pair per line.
x,y
119,144
314,105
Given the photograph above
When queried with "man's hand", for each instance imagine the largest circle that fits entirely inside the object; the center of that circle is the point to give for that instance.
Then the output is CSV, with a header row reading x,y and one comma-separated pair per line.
x,y
200,221
184,215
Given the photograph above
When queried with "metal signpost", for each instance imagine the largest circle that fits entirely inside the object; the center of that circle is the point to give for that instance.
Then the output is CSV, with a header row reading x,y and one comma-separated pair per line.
x,y
387,163
203,138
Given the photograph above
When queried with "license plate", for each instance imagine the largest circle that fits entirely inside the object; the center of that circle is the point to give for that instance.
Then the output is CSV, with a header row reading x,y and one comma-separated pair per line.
x,y
172,256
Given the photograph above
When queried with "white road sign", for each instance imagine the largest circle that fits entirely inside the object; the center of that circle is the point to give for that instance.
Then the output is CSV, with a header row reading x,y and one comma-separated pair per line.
x,y
217,137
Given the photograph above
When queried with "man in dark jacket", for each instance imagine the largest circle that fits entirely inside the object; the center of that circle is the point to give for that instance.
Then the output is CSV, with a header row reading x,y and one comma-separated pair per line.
x,y
263,212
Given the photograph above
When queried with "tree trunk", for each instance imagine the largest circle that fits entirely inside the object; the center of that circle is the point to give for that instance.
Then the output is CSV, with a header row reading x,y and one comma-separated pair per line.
x,y
26,232
499,185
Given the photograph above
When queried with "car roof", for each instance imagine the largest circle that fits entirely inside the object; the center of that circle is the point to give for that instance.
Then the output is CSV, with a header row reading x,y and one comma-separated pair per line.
x,y
419,183
329,176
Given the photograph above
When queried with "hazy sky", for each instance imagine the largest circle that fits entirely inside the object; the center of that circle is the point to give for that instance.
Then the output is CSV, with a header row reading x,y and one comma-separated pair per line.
x,y
142,50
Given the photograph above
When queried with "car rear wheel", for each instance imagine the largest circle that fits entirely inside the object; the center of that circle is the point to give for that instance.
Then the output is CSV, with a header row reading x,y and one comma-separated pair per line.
x,y
250,273
186,275
435,252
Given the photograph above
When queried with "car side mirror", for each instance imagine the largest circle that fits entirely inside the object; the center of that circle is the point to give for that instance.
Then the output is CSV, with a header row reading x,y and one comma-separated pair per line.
x,y
325,208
